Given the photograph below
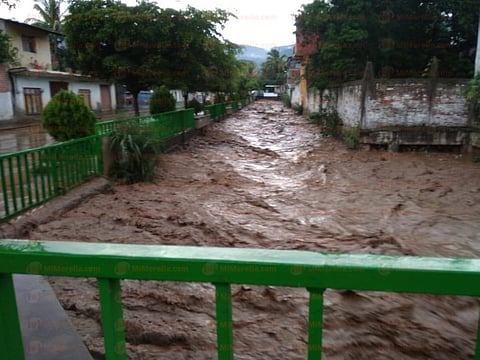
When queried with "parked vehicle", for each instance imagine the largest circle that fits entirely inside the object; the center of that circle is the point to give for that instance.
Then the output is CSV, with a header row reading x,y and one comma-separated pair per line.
x,y
144,97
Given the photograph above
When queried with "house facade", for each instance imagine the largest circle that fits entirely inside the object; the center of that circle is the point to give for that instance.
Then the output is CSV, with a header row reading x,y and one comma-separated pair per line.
x,y
28,85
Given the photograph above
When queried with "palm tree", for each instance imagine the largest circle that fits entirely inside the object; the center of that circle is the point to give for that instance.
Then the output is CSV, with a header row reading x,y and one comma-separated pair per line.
x,y
50,13
273,69
51,19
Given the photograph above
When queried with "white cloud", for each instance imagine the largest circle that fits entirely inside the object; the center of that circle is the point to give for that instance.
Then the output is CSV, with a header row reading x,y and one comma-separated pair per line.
x,y
262,23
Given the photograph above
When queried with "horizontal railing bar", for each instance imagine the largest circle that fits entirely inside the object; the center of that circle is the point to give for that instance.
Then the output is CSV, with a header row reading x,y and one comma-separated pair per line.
x,y
441,276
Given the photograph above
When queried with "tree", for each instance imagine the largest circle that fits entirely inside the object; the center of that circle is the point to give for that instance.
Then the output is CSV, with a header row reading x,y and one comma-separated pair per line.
x,y
249,77
197,57
143,46
67,117
399,36
51,15
273,69
162,101
7,53
109,39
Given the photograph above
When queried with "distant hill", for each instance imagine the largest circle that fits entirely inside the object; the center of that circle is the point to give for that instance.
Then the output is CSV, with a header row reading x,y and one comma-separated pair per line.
x,y
259,55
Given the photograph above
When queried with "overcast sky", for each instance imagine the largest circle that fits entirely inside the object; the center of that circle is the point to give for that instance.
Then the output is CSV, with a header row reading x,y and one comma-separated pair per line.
x,y
261,23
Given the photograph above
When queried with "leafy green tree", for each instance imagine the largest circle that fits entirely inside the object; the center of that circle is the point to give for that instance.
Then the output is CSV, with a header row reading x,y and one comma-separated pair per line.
x,y
197,57
248,79
143,45
109,39
400,37
7,54
67,117
162,101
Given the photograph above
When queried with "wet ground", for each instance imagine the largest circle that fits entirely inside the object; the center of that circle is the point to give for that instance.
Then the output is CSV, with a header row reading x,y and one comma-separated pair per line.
x,y
13,139
266,178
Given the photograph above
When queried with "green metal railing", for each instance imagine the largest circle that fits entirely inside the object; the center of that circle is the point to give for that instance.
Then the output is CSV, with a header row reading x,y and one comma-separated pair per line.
x,y
165,125
216,111
316,272
31,177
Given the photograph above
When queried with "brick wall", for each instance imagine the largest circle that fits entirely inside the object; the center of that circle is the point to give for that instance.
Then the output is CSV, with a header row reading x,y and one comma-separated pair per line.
x,y
4,81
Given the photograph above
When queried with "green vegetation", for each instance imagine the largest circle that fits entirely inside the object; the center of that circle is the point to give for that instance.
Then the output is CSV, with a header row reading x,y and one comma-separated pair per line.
x,y
316,118
144,45
162,101
331,121
134,150
67,117
273,70
287,100
195,105
7,53
351,138
472,93
399,37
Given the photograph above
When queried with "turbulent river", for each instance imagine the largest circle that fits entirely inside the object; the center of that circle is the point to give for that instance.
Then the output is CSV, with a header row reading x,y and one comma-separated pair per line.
x,y
267,178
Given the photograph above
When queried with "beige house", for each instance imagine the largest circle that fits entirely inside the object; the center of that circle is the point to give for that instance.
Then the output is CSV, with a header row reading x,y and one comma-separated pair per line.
x,y
28,85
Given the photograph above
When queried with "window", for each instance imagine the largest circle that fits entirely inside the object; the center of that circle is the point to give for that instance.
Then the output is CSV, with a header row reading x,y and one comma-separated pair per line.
x,y
85,94
33,101
29,44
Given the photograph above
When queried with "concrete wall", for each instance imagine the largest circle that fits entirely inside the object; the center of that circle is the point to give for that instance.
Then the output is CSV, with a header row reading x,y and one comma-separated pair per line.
x,y
398,102
6,107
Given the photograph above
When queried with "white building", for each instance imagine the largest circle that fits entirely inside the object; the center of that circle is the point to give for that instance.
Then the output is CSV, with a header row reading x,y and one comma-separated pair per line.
x,y
28,86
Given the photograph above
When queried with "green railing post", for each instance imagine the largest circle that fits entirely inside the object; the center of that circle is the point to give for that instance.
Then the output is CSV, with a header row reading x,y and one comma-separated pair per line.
x,y
11,344
315,324
112,319
4,189
224,321
98,157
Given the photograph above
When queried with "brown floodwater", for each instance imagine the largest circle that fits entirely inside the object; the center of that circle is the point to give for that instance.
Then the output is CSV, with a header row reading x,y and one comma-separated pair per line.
x,y
267,178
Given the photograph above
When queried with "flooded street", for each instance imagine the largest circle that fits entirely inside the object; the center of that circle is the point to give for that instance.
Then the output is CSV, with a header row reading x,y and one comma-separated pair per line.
x,y
23,138
266,178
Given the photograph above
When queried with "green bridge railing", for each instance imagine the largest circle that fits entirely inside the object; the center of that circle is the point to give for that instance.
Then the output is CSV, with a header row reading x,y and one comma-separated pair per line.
x,y
109,263
32,177
164,125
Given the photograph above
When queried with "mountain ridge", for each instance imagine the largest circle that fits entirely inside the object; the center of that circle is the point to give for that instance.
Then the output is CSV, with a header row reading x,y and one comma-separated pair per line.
x,y
259,55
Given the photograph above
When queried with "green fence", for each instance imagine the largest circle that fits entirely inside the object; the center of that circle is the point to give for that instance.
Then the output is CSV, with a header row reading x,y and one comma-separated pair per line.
x,y
216,111
165,125
31,177
109,263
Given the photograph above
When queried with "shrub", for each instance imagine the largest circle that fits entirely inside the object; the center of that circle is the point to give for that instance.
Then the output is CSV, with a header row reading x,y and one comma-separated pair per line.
x,y
332,122
287,100
162,101
351,138
67,117
316,118
195,105
135,151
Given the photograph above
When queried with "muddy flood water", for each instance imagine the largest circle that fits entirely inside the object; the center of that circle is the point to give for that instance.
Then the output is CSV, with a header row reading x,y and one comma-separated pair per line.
x,y
267,178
